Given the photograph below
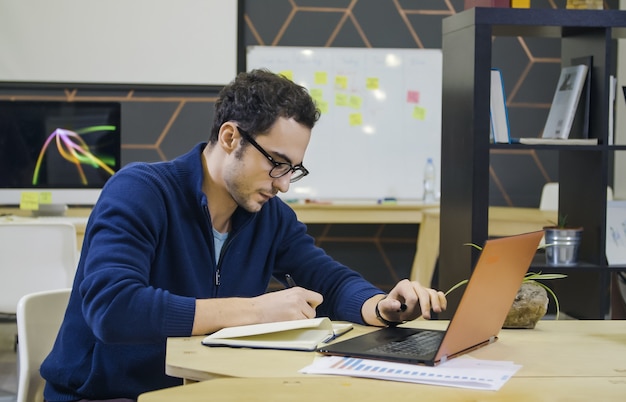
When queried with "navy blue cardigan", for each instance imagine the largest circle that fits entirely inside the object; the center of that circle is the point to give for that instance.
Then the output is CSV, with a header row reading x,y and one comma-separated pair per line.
x,y
148,255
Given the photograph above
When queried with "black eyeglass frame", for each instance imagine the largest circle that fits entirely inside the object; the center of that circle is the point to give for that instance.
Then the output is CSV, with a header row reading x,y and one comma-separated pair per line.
x,y
277,166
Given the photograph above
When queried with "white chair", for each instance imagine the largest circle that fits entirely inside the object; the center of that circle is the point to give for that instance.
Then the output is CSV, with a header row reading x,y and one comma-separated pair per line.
x,y
550,197
39,317
35,255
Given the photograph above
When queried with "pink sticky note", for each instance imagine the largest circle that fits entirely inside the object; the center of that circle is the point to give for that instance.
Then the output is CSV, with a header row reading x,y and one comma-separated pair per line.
x,y
413,96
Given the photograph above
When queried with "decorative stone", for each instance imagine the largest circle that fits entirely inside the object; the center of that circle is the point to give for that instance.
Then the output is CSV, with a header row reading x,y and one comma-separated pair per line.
x,y
530,305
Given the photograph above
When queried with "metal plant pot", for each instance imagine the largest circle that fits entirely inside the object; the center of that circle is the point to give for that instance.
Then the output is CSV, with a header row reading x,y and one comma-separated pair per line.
x,y
562,245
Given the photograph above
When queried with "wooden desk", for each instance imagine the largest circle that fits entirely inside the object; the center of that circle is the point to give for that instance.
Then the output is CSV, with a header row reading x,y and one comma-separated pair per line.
x,y
341,389
503,221
506,221
580,359
366,212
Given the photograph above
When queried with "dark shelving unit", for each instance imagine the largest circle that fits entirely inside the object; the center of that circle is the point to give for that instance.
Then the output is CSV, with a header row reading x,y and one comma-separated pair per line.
x,y
584,171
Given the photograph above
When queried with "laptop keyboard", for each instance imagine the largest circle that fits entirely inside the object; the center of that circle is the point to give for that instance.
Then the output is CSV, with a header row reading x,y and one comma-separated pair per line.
x,y
419,344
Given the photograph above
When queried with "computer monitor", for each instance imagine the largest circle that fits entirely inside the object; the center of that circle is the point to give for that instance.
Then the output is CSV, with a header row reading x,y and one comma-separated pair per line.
x,y
66,149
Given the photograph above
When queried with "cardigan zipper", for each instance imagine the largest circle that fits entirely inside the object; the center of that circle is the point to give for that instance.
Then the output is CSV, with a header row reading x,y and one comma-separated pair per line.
x,y
217,266
229,239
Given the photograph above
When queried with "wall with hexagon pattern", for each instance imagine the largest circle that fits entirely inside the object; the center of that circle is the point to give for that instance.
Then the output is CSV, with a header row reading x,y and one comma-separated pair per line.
x,y
160,123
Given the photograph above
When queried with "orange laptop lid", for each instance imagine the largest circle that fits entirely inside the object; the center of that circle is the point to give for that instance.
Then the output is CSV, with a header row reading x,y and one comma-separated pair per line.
x,y
490,292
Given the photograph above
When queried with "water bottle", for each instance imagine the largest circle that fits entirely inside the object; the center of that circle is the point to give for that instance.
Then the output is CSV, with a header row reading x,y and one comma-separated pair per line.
x,y
429,182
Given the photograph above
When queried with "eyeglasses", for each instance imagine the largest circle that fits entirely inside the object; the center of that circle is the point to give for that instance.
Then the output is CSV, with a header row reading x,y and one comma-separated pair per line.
x,y
280,168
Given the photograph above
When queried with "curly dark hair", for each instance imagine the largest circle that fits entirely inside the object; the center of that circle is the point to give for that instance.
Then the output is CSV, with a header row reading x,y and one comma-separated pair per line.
x,y
256,99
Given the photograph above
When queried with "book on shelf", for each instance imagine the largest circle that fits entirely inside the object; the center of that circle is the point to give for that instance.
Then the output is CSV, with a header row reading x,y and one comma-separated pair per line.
x,y
565,102
498,114
612,97
580,124
555,141
305,334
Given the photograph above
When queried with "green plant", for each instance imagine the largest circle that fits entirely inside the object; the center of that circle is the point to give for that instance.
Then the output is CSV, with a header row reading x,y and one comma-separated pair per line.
x,y
561,223
529,277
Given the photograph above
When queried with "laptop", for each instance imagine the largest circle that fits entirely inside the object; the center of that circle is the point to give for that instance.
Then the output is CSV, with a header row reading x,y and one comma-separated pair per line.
x,y
484,305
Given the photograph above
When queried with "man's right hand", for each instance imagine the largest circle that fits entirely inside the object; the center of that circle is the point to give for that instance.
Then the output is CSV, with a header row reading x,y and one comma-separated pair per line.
x,y
289,304
283,305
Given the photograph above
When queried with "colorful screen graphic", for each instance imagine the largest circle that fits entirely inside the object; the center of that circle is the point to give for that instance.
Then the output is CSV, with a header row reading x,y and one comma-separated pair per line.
x,y
58,144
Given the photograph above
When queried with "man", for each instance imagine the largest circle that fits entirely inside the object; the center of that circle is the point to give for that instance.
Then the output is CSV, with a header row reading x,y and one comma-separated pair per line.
x,y
189,246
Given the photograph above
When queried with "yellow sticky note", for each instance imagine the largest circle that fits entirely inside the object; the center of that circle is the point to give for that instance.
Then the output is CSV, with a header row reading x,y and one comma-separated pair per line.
x,y
341,82
288,74
419,113
320,78
29,200
45,197
323,106
371,83
355,102
355,119
341,99
316,93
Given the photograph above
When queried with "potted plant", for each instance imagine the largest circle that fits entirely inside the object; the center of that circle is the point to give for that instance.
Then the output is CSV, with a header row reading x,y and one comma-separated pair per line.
x,y
531,300
562,243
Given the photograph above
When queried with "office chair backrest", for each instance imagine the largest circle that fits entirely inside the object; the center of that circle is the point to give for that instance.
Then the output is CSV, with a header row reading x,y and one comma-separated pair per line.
x,y
550,197
39,317
35,256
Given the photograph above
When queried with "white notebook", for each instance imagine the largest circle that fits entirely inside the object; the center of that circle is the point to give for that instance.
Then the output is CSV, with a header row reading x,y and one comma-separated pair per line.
x,y
291,335
565,102
555,141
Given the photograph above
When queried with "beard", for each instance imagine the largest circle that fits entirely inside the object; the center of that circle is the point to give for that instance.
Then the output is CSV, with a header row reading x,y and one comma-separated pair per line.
x,y
246,197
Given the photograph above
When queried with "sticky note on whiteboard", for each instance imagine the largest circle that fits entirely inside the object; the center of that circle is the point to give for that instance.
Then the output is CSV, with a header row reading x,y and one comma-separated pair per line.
x,y
341,82
356,119
413,96
371,83
355,102
322,105
419,113
288,74
341,99
321,77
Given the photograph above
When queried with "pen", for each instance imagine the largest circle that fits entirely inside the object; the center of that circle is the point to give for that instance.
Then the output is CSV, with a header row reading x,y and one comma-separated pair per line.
x,y
336,335
290,282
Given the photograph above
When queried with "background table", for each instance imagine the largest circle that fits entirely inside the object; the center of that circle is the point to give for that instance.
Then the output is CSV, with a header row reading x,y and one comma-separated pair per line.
x,y
503,221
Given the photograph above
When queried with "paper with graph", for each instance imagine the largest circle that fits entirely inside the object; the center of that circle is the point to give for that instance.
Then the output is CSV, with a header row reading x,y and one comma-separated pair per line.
x,y
462,372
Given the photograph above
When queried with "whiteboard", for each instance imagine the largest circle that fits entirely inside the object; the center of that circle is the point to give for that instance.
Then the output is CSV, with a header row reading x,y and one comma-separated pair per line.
x,y
381,118
190,42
